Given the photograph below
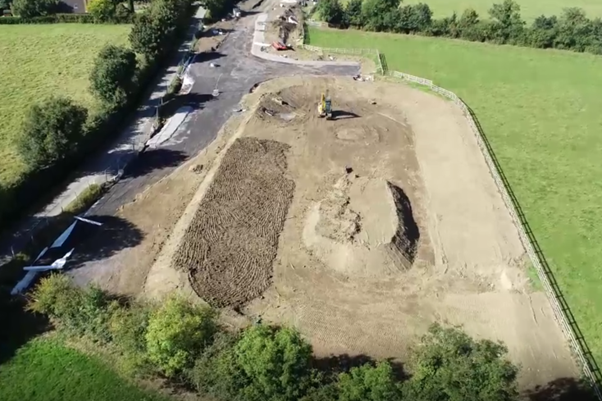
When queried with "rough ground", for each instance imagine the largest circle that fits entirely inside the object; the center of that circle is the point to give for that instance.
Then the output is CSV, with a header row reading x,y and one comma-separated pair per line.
x,y
394,223
231,244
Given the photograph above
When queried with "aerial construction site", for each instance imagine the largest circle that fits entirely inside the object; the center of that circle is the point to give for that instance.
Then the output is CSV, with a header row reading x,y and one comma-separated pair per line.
x,y
360,228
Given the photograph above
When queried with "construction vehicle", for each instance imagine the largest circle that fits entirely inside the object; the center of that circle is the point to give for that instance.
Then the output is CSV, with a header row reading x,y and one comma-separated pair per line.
x,y
325,106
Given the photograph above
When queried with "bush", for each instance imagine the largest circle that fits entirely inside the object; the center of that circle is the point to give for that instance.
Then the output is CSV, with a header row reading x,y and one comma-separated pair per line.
x,y
276,363
154,30
112,76
102,10
369,383
331,11
449,365
353,14
217,372
177,333
127,328
79,312
34,8
51,131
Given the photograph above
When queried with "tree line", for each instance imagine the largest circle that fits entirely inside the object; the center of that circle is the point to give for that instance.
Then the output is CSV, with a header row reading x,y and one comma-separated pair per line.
x,y
54,129
573,30
57,133
184,343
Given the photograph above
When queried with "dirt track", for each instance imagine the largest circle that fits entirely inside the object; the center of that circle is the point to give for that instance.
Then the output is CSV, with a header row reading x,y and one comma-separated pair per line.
x,y
345,292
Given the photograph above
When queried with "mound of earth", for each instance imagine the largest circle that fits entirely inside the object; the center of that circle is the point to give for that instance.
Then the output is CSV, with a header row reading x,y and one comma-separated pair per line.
x,y
230,246
363,227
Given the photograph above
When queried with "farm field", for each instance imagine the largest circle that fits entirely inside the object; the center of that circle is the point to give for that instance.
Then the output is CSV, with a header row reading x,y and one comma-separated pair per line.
x,y
43,60
530,9
540,111
44,370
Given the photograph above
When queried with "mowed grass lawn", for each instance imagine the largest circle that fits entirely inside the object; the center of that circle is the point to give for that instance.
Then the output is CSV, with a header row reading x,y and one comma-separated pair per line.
x,y
530,9
44,370
542,112
42,60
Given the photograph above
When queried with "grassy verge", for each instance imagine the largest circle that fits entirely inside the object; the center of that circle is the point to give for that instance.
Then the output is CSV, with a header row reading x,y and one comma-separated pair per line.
x,y
43,60
540,111
44,370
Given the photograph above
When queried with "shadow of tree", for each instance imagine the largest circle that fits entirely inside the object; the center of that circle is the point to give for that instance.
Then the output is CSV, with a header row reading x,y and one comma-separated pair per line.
x,y
115,235
563,389
333,365
154,159
18,324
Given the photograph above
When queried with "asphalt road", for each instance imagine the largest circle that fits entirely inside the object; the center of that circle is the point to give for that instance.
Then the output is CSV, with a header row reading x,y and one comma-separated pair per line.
x,y
235,75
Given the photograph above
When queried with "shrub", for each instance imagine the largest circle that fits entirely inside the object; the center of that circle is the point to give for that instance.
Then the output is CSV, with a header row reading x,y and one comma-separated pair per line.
x,y
102,10
216,372
112,76
353,13
128,327
331,11
51,131
34,8
369,383
178,332
79,312
276,363
154,29
380,15
450,365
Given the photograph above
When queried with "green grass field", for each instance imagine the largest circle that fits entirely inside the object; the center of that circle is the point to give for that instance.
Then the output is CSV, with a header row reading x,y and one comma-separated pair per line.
x,y
43,370
43,60
530,9
541,111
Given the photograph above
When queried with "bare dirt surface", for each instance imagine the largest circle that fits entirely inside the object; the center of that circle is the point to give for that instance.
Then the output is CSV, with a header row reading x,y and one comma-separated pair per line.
x,y
280,29
394,223
230,246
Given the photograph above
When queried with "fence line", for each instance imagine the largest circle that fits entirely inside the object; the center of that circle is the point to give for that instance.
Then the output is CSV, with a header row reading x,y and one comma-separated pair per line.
x,y
559,307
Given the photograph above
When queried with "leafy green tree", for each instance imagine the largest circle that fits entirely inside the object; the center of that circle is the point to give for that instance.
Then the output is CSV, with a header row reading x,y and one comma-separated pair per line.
x,y
102,10
34,8
178,332
155,29
328,392
449,365
574,30
413,18
216,372
369,383
331,11
542,32
380,15
146,36
508,26
353,13
276,363
4,5
51,131
218,8
112,76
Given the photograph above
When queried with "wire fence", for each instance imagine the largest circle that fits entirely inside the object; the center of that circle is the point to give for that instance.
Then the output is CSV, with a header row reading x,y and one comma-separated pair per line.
x,y
562,312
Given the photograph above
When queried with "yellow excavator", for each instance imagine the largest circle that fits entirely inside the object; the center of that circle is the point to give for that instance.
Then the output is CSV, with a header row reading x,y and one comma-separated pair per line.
x,y
325,106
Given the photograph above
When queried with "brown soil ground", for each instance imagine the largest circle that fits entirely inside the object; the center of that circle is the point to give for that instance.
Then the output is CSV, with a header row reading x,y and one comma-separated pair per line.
x,y
230,246
283,31
394,223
